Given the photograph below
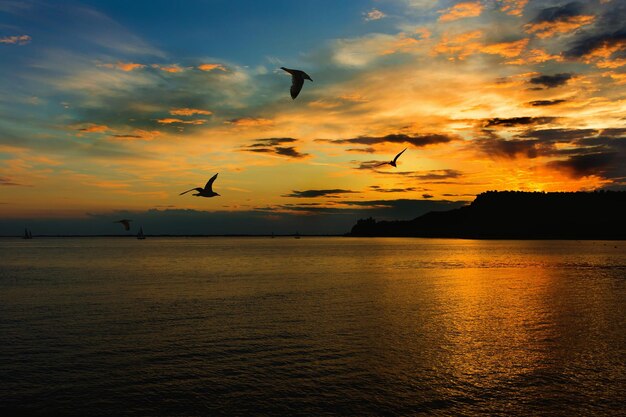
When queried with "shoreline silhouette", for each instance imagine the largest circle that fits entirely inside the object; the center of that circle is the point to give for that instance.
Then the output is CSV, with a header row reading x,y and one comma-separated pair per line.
x,y
515,215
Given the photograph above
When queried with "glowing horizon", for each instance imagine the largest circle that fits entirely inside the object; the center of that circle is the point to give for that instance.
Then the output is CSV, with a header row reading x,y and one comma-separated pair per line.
x,y
108,107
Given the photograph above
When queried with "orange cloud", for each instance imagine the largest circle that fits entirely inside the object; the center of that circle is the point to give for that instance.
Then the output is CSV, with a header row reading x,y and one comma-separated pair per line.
x,y
460,11
189,112
93,128
565,25
124,66
138,134
171,68
620,78
513,7
16,40
506,49
535,56
250,122
169,120
211,67
615,63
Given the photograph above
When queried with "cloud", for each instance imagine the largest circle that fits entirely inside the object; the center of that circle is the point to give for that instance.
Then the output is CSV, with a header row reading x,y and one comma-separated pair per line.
x,y
560,19
433,175
318,193
427,196
15,40
275,146
172,69
552,81
170,120
211,67
468,43
513,7
517,121
419,140
373,14
544,103
250,122
460,11
189,112
603,45
7,182
559,135
379,189
597,164
94,128
511,149
137,134
124,66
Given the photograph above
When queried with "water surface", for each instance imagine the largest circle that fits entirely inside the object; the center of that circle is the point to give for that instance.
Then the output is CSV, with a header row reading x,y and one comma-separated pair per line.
x,y
315,326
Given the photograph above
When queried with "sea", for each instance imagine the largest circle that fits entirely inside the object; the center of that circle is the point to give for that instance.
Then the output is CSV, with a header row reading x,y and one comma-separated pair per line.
x,y
317,326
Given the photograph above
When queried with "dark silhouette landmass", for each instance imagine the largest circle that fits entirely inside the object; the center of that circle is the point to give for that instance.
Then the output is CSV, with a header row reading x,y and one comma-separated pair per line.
x,y
516,215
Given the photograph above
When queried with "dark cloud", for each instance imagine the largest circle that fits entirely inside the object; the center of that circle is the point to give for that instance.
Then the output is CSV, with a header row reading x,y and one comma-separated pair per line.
x,y
459,195
558,135
589,44
541,103
4,181
362,150
379,189
552,81
559,13
318,193
517,121
273,145
511,149
427,195
368,164
585,165
437,174
415,140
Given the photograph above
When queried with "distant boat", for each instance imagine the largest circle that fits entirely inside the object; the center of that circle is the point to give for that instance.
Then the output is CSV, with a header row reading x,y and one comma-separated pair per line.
x,y
140,235
296,236
27,234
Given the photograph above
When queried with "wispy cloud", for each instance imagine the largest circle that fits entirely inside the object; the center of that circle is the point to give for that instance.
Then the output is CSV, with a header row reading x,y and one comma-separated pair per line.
x,y
15,40
461,10
276,146
319,193
373,14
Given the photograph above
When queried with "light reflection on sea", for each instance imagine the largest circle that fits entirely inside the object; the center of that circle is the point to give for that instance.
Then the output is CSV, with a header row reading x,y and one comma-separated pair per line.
x,y
315,326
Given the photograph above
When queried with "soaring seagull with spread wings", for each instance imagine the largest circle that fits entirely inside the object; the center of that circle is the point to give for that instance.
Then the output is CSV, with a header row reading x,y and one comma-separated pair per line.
x,y
207,191
393,163
297,80
124,222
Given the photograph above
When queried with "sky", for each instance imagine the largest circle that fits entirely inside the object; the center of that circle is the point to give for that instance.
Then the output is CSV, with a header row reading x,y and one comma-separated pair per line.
x,y
110,109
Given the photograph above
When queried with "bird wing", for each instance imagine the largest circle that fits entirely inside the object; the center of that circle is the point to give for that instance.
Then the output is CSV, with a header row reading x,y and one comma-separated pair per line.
x,y
185,192
209,184
398,155
297,81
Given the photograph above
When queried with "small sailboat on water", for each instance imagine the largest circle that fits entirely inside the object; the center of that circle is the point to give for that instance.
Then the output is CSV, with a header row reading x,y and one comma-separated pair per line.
x,y
140,235
27,234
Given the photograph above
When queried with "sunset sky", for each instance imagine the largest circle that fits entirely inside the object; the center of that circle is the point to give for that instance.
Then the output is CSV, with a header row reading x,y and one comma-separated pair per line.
x,y
112,108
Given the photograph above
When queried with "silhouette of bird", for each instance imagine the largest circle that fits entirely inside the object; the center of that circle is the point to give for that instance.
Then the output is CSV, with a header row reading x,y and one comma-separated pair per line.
x,y
297,80
392,163
125,222
207,191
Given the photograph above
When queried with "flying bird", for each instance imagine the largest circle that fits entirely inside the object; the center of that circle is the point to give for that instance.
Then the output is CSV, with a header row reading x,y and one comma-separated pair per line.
x,y
392,163
124,222
207,191
297,80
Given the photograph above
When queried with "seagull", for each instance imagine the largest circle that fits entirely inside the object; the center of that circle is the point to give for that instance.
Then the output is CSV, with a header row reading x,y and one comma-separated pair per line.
x,y
297,80
207,191
125,222
392,163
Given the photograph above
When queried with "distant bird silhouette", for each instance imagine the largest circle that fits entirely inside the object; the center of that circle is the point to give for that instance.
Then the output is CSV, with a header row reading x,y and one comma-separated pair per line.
x,y
207,191
392,163
297,80
125,222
